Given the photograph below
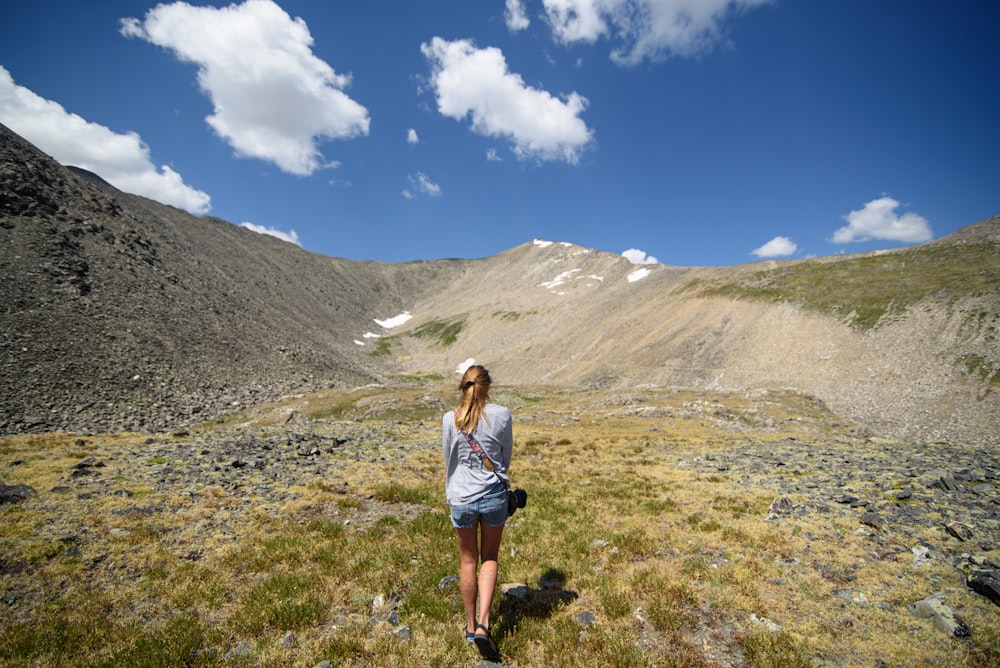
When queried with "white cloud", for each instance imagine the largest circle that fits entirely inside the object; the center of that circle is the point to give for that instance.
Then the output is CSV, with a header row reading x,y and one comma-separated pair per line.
x,y
120,159
636,256
878,220
420,183
291,236
411,137
476,83
274,100
578,20
492,156
515,16
644,29
776,247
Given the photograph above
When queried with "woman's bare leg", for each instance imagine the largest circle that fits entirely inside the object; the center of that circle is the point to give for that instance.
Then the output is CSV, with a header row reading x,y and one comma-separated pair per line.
x,y
488,573
468,554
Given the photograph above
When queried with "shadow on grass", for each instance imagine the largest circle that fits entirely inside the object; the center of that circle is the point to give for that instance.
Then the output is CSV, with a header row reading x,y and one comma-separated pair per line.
x,y
521,601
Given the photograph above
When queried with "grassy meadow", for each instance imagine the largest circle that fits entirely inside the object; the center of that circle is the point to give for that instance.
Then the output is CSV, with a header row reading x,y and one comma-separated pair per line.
x,y
675,567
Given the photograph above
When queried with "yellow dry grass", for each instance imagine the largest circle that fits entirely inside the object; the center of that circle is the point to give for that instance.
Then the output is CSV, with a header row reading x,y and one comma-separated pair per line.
x,y
677,567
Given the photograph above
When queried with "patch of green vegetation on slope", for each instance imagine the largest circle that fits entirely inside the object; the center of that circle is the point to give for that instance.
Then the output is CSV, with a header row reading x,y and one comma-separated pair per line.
x,y
981,369
863,290
382,347
439,332
512,316
442,332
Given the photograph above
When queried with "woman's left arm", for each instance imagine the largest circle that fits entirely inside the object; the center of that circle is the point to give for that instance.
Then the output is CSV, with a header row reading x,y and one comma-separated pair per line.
x,y
507,439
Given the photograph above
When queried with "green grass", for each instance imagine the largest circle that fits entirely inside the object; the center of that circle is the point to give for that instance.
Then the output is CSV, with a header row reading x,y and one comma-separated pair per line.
x,y
282,602
866,289
396,493
382,347
512,316
767,649
83,629
440,332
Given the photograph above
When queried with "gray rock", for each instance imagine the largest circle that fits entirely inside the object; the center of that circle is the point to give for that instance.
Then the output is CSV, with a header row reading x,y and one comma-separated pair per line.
x,y
985,582
242,650
774,627
943,618
961,531
16,493
921,555
944,480
779,508
517,592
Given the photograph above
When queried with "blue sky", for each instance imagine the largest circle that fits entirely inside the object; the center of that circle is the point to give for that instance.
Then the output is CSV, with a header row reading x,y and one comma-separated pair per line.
x,y
688,132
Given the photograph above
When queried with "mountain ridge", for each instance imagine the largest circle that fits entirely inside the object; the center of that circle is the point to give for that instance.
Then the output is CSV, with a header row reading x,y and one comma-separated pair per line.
x,y
122,313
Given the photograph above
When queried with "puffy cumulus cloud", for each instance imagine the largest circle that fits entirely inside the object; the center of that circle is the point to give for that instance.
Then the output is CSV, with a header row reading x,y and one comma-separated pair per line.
x,y
878,220
636,256
274,100
776,247
515,16
644,29
579,20
291,236
421,184
122,160
475,83
411,137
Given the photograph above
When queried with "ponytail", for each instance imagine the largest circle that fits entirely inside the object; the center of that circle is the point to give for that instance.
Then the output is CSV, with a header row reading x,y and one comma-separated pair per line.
x,y
475,392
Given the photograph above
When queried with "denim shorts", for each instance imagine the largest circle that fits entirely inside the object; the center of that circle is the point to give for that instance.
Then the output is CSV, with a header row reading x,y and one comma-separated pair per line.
x,y
491,509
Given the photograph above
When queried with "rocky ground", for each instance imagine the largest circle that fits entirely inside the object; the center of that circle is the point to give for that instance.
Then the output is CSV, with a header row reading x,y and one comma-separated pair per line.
x,y
933,506
925,504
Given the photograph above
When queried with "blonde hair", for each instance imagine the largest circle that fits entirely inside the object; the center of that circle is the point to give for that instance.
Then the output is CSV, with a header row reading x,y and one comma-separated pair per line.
x,y
475,392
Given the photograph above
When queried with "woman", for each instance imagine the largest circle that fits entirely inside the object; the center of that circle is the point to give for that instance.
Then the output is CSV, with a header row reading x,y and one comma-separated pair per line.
x,y
476,496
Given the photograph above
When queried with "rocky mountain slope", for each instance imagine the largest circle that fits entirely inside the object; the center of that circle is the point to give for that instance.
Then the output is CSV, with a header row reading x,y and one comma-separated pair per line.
x,y
118,312
925,368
